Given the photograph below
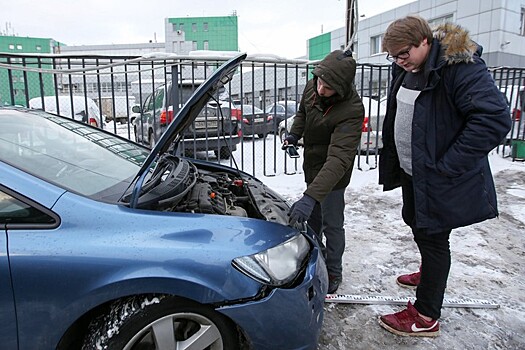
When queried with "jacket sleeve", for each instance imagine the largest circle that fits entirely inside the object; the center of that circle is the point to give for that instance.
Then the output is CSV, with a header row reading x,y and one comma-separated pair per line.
x,y
299,120
341,151
487,118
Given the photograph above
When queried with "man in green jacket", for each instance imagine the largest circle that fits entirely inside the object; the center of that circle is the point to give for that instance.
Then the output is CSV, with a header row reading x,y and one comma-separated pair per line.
x,y
329,119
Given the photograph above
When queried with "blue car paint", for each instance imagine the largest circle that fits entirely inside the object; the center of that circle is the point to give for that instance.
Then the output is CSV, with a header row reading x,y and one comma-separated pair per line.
x,y
8,331
99,252
115,259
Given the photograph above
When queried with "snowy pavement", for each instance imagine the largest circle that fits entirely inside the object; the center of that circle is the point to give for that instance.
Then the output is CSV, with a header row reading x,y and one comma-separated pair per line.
x,y
488,262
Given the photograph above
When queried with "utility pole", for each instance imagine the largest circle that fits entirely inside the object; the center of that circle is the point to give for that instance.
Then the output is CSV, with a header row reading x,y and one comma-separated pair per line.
x,y
351,23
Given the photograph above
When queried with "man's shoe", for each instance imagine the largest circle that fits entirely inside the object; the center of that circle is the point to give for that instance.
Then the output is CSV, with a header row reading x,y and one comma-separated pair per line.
x,y
410,280
333,283
409,323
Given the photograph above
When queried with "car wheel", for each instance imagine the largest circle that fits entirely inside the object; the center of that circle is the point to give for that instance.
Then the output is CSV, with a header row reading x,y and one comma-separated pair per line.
x,y
224,153
136,134
159,323
261,136
151,139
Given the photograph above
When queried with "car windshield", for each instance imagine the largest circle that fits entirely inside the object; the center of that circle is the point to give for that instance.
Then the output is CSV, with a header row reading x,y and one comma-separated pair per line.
x,y
249,109
291,108
71,155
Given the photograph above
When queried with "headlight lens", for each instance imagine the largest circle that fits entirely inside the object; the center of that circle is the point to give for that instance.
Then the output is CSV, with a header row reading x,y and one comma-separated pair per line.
x,y
278,265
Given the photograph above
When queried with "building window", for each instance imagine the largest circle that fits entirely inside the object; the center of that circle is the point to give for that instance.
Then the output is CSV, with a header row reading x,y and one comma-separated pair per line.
x,y
194,27
11,47
440,20
375,44
206,45
522,28
194,45
181,26
205,26
174,27
19,47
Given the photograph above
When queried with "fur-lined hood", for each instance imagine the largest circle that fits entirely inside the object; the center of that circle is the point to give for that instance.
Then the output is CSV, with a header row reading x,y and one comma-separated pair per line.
x,y
456,45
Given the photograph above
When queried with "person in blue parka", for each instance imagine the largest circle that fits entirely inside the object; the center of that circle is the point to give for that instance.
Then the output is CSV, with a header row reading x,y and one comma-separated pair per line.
x,y
444,115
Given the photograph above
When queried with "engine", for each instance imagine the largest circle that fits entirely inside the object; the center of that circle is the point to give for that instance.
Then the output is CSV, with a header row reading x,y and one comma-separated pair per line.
x,y
214,194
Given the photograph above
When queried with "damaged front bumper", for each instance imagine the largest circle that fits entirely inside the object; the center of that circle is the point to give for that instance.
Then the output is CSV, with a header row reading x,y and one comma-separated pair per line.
x,y
286,318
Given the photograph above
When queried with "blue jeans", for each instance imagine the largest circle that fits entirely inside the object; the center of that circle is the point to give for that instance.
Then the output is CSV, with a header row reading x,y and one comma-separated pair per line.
x,y
435,257
328,219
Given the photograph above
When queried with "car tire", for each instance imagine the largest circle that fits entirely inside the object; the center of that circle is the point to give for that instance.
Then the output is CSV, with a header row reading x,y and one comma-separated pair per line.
x,y
136,134
224,153
261,136
151,139
163,322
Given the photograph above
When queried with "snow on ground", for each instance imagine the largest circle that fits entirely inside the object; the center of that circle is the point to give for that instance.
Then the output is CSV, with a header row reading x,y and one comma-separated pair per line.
x,y
488,262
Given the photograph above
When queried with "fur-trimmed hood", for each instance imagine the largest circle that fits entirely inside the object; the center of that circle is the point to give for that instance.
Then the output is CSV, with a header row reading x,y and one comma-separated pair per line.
x,y
456,45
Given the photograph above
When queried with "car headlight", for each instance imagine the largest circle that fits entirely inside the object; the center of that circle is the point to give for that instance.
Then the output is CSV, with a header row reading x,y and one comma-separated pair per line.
x,y
278,265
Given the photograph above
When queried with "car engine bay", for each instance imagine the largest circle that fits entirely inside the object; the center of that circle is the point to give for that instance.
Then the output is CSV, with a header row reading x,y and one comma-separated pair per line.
x,y
178,185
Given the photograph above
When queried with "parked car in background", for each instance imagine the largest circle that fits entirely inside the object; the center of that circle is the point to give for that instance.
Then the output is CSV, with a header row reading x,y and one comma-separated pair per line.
x,y
255,121
77,107
281,110
107,244
117,108
215,129
371,141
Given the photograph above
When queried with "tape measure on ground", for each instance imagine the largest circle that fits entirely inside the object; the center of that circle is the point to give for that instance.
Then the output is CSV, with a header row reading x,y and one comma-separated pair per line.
x,y
360,299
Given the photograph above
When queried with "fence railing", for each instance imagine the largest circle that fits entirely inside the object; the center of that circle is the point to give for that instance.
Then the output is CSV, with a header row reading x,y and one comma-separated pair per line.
x,y
106,88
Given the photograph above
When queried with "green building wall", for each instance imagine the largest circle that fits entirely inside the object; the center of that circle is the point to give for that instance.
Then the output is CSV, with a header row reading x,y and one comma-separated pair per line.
x,y
26,85
319,46
221,33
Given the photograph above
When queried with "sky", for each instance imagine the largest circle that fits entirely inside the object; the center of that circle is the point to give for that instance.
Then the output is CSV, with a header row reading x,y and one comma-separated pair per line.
x,y
271,26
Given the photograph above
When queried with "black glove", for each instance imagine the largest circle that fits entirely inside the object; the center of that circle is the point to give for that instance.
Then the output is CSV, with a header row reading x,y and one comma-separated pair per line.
x,y
290,140
302,209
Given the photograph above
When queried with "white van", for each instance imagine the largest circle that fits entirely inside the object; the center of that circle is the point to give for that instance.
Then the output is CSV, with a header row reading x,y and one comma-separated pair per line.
x,y
72,108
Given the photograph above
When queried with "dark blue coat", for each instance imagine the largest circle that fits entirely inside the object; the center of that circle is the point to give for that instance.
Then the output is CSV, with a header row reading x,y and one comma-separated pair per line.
x,y
458,119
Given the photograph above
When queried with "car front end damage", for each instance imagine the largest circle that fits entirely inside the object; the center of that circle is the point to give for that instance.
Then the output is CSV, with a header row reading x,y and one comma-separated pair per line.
x,y
292,316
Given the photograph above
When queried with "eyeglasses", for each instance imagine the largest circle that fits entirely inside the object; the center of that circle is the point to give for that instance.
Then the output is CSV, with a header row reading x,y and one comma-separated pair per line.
x,y
400,56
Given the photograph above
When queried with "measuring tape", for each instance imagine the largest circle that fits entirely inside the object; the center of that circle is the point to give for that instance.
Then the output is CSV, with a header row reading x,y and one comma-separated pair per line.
x,y
359,299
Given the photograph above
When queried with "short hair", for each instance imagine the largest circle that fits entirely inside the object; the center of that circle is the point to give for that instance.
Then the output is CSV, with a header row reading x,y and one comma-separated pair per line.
x,y
409,30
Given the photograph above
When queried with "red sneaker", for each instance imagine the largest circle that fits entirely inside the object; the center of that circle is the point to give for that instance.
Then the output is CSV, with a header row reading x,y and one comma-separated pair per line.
x,y
410,280
409,323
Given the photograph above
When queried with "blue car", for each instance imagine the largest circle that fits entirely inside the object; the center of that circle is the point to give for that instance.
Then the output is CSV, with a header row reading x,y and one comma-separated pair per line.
x,y
109,245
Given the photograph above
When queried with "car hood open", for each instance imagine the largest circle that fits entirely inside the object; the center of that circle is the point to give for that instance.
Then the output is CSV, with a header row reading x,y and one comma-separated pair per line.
x,y
186,115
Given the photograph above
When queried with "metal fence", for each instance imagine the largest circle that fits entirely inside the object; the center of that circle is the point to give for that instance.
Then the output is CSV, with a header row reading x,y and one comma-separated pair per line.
x,y
115,84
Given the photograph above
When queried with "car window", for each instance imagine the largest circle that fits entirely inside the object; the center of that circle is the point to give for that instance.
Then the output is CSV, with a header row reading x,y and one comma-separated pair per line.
x,y
208,111
159,98
14,211
147,104
291,108
73,156
249,109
